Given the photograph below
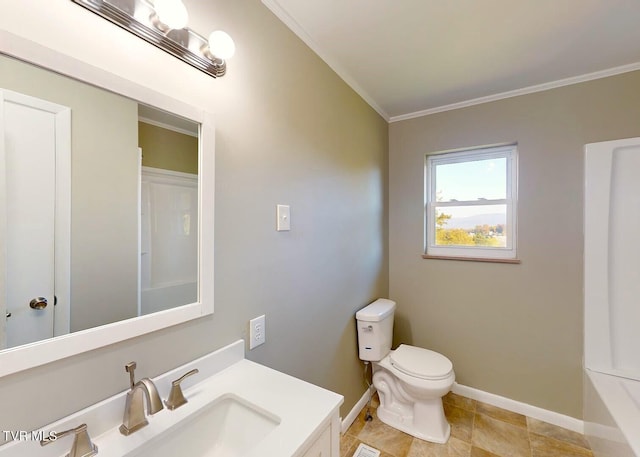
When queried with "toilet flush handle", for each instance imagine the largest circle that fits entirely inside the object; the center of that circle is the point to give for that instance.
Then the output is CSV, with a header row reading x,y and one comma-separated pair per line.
x,y
368,328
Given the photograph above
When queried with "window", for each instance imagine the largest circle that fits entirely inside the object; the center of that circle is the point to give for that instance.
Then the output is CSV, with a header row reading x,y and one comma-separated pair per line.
x,y
470,204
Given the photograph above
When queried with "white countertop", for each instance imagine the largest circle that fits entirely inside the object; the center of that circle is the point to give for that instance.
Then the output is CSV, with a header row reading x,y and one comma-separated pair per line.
x,y
303,409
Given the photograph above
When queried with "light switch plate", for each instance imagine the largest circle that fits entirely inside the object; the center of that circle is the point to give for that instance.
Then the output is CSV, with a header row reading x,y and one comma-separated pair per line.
x,y
283,218
257,331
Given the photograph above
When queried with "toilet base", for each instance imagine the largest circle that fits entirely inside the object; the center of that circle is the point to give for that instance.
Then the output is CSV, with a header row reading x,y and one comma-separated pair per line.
x,y
424,420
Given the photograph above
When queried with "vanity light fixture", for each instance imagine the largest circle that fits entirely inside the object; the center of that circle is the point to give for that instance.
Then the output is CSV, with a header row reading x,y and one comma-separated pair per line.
x,y
163,23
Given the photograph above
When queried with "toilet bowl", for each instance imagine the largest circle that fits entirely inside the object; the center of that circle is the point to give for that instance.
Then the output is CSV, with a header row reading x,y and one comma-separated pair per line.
x,y
411,395
410,381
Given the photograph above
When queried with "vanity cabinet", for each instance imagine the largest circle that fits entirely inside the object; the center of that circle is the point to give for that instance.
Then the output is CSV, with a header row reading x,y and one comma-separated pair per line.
x,y
328,442
322,446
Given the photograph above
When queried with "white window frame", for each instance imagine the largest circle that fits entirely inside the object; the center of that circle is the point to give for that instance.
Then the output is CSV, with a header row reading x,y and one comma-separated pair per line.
x,y
508,253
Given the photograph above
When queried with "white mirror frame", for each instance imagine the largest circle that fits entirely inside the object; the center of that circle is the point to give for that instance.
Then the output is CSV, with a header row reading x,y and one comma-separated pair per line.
x,y
13,360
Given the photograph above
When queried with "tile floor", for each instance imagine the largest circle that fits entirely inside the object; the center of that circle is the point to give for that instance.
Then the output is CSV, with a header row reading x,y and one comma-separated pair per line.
x,y
477,430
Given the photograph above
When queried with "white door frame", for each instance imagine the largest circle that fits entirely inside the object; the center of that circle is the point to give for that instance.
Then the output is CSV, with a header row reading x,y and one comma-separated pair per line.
x,y
62,215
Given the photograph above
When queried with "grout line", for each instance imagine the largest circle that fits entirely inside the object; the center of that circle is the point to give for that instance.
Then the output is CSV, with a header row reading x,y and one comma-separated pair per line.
x,y
473,426
529,438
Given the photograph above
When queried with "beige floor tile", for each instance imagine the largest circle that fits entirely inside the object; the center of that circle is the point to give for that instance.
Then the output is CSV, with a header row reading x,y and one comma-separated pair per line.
x,y
461,421
385,438
559,433
477,430
353,449
347,445
544,446
477,452
453,448
459,401
500,438
501,414
359,423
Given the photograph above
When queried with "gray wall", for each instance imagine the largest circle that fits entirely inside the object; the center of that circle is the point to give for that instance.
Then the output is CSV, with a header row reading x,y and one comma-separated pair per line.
x,y
512,330
104,202
289,131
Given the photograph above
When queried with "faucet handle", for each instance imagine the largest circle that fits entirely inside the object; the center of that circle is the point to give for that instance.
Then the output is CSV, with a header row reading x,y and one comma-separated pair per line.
x,y
82,445
130,368
176,397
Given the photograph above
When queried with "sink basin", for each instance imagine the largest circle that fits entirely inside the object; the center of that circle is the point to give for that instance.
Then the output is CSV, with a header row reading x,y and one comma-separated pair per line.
x,y
229,427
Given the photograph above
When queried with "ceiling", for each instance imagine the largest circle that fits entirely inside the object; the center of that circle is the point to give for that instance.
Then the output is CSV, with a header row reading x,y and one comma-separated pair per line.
x,y
408,58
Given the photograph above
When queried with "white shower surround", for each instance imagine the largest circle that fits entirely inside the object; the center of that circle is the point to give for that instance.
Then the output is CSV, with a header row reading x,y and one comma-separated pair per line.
x,y
170,278
612,295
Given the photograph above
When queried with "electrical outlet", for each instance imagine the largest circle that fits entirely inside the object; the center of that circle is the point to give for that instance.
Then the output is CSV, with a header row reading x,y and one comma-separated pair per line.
x,y
257,331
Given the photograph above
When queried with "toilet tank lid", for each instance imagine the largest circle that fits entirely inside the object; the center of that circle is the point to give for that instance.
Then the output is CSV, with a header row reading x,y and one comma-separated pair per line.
x,y
376,311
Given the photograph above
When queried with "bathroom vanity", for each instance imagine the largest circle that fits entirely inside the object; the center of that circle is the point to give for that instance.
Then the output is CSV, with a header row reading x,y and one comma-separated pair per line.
x,y
235,408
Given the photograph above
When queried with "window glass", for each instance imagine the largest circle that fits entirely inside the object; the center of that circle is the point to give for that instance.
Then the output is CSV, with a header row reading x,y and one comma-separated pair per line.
x,y
473,180
471,226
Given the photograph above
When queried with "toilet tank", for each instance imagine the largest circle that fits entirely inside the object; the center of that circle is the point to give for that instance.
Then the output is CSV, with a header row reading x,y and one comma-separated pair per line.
x,y
375,329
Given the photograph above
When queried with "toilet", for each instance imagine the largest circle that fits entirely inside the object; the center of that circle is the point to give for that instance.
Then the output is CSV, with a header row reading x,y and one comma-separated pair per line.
x,y
410,381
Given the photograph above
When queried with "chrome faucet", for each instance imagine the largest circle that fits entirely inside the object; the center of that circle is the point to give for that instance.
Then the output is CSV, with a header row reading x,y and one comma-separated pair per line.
x,y
134,416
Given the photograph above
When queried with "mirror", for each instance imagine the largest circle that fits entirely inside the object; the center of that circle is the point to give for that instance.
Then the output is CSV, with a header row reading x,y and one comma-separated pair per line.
x,y
103,195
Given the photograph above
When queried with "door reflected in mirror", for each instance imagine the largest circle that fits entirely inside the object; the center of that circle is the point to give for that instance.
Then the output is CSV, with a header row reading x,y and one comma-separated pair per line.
x,y
101,201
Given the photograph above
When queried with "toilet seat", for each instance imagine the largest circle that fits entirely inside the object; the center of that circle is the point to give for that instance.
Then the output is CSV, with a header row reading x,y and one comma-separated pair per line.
x,y
421,363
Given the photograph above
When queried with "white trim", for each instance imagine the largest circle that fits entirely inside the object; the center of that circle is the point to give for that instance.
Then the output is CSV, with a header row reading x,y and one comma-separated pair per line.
x,y
62,224
49,59
353,414
206,200
535,412
3,231
161,174
139,190
523,91
162,125
296,28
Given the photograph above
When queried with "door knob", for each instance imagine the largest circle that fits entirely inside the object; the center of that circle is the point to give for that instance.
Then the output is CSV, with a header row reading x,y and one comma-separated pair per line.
x,y
38,303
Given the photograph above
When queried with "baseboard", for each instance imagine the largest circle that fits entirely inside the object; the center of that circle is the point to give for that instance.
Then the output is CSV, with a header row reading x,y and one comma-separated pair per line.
x,y
353,414
561,420
568,422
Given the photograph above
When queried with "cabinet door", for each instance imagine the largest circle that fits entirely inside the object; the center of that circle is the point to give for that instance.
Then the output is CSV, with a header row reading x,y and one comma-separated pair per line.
x,y
322,446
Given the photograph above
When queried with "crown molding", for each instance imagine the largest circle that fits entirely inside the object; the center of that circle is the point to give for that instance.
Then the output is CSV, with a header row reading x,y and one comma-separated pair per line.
x,y
517,92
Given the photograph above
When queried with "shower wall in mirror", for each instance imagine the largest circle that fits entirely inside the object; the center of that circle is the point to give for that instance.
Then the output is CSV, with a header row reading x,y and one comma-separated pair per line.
x,y
100,227
169,216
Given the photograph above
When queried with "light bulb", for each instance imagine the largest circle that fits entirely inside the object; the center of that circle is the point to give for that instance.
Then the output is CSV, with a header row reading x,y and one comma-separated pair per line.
x,y
172,13
221,45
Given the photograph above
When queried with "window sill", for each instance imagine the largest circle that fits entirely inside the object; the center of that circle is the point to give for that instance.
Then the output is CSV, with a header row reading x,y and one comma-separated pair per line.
x,y
471,259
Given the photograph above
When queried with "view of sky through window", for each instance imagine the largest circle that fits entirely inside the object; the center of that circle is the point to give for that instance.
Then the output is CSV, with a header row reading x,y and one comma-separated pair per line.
x,y
479,179
472,181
